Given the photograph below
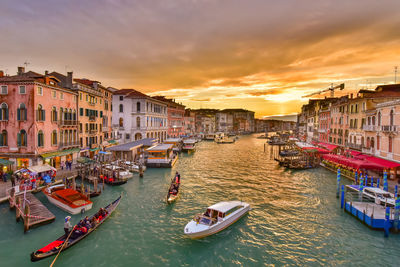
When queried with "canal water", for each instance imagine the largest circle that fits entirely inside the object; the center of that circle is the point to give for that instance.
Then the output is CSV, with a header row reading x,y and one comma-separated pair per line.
x,y
295,219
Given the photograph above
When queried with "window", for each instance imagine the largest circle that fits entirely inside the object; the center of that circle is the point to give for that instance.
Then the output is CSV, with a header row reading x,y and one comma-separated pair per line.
x,y
378,142
54,94
54,114
105,104
121,98
379,118
61,95
121,108
21,112
127,136
390,144
40,113
101,113
54,138
138,122
391,118
80,127
121,122
74,115
40,90
4,89
40,139
86,128
22,138
138,106
22,89
80,111
3,138
80,96
87,98
4,112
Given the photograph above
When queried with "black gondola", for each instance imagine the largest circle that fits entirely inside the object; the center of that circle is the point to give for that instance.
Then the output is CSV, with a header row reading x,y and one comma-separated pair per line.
x,y
173,190
55,246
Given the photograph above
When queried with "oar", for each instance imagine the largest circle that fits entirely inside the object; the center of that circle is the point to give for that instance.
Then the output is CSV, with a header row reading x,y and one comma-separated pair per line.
x,y
65,242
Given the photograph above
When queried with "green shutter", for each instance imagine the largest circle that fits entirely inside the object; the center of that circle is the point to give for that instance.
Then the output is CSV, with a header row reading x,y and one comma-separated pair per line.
x,y
81,112
18,114
6,114
44,115
101,114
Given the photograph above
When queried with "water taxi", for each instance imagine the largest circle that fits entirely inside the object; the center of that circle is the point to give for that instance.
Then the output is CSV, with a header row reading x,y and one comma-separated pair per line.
x,y
67,199
217,217
189,145
224,140
120,172
161,156
177,142
380,196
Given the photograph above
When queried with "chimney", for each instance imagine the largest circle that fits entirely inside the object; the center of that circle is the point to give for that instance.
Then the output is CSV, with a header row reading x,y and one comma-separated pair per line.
x,y
351,96
68,82
1,73
21,70
46,72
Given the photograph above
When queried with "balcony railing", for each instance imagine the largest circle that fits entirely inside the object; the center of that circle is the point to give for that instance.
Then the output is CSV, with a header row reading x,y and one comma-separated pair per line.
x,y
370,128
67,123
388,128
354,146
68,144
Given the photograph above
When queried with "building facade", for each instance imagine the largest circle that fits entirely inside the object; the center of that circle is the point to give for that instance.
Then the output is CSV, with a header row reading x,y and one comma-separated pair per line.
x,y
137,116
38,119
176,114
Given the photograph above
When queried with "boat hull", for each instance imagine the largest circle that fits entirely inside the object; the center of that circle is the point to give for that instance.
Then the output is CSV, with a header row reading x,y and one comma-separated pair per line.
x,y
67,208
218,227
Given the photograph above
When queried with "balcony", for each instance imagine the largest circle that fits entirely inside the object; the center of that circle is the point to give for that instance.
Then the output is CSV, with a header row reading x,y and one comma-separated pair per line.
x,y
354,146
388,128
68,123
370,128
68,144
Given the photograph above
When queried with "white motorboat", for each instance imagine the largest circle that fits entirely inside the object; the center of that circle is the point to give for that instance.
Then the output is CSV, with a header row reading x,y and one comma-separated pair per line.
x,y
381,197
67,199
216,218
120,172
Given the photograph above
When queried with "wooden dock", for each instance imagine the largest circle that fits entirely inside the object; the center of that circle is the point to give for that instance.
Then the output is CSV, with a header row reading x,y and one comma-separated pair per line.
x,y
33,213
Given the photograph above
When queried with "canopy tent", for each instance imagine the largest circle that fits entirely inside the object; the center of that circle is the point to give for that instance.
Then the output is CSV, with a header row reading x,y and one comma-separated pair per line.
x,y
5,162
386,164
329,147
353,163
59,153
41,168
315,150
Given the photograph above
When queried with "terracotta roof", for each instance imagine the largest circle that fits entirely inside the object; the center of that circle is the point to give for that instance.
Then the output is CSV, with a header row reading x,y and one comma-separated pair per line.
x,y
25,77
85,81
169,101
389,87
130,93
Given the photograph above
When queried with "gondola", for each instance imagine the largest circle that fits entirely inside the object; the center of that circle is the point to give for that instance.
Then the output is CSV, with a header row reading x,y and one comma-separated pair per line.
x,y
92,193
171,197
55,246
115,182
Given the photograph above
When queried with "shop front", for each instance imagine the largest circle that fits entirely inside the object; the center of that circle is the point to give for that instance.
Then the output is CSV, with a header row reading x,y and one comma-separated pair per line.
x,y
22,163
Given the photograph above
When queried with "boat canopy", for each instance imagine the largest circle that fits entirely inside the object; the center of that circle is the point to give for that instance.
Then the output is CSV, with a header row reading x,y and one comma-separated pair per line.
x,y
160,148
225,206
189,141
41,168
329,147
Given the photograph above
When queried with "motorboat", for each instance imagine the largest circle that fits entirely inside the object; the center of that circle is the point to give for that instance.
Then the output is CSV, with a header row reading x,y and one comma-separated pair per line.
x,y
132,166
380,196
217,217
120,172
224,140
67,199
189,145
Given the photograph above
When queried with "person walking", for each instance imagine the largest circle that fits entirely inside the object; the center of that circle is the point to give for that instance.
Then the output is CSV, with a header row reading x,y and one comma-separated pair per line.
x,y
62,165
12,180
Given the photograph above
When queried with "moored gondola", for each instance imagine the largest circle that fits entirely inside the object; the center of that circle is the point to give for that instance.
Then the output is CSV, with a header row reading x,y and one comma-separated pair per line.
x,y
55,246
173,191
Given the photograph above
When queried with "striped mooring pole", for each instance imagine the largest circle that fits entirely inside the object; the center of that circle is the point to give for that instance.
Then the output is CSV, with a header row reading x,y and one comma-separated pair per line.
x,y
366,180
385,181
338,183
396,209
361,187
356,177
387,222
378,182
342,198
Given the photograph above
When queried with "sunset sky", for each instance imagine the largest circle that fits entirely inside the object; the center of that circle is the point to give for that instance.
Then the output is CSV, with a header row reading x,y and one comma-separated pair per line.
x,y
260,55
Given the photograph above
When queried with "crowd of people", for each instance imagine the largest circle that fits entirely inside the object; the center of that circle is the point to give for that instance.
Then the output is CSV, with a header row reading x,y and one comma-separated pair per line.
x,y
84,225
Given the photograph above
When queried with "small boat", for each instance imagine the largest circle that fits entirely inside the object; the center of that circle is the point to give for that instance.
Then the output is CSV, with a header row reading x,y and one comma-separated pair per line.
x,y
225,140
55,246
380,196
113,182
67,199
119,172
173,191
189,145
217,217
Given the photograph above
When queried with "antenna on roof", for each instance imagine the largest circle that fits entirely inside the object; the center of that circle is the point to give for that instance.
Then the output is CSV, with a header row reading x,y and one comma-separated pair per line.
x,y
26,63
395,74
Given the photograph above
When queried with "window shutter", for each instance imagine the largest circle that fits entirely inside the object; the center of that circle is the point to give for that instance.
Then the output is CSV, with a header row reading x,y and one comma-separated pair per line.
x,y
18,114
44,115
101,114
6,114
37,115
25,114
19,139
55,117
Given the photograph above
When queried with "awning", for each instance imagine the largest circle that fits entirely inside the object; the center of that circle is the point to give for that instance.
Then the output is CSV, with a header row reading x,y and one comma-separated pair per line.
x,y
59,153
112,141
41,168
387,164
94,149
327,146
5,162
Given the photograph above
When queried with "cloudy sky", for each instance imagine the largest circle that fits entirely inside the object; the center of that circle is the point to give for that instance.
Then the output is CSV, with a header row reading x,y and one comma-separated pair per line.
x,y
260,55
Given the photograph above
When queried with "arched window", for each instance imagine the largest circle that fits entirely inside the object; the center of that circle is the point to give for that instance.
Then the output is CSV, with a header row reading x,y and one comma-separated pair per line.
x,y
121,122
54,114
54,138
368,142
61,115
369,120
21,112
391,118
379,118
372,142
138,106
22,138
4,112
4,138
40,113
74,115
378,142
121,108
373,120
138,122
40,139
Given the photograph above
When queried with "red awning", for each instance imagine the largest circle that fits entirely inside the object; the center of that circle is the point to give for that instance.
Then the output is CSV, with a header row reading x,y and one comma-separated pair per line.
x,y
320,150
387,164
353,163
328,146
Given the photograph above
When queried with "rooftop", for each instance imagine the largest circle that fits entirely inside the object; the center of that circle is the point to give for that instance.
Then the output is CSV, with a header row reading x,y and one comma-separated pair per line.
x,y
129,146
160,147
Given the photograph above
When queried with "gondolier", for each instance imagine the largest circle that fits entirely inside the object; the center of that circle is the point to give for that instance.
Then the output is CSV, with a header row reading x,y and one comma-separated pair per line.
x,y
67,225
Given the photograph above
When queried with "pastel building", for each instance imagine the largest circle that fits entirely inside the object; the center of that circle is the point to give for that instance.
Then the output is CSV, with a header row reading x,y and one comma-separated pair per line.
x,y
137,116
176,114
38,119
